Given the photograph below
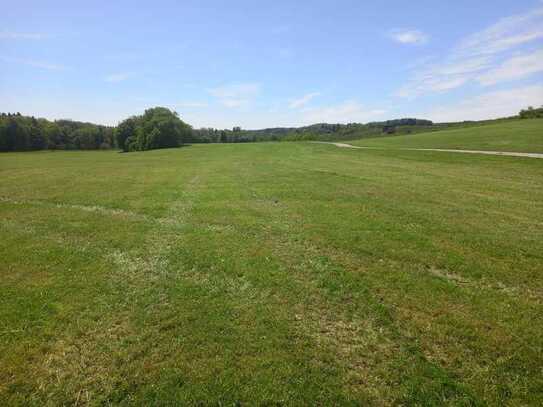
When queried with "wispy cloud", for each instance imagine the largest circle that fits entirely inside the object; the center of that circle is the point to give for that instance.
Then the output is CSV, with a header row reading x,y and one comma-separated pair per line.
x,y
297,103
35,63
118,77
442,77
409,36
505,34
10,35
236,94
478,57
347,112
517,67
489,105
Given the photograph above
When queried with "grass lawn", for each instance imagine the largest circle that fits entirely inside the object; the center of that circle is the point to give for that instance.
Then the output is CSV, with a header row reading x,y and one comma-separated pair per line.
x,y
514,135
289,273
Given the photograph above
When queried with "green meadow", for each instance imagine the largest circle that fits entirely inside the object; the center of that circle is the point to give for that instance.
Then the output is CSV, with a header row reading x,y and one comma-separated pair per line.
x,y
525,136
275,273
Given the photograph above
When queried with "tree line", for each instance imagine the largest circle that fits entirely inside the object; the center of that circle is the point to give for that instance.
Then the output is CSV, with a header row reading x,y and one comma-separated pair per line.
x,y
157,127
160,127
531,113
26,133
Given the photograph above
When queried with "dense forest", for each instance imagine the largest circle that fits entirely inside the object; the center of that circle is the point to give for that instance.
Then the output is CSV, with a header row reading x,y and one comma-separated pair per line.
x,y
24,133
160,127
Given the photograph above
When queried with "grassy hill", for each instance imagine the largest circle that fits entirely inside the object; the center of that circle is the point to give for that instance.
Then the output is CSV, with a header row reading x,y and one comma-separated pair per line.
x,y
273,273
510,135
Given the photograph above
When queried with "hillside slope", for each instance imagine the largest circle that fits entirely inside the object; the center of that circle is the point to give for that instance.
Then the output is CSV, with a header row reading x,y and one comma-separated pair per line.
x,y
515,135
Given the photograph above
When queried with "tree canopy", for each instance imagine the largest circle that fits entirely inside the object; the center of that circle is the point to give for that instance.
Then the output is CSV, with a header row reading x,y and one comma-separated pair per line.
x,y
24,133
158,127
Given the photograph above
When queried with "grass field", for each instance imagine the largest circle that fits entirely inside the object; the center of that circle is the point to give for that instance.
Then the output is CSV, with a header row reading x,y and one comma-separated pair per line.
x,y
514,135
289,273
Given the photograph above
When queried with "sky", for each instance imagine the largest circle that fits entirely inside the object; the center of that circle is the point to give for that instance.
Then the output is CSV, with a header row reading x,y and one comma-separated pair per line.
x,y
259,64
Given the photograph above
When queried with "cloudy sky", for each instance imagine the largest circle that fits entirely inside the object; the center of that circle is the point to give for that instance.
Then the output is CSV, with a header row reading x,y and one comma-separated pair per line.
x,y
271,63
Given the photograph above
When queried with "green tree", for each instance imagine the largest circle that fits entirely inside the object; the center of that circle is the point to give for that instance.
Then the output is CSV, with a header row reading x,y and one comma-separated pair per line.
x,y
158,127
125,130
3,134
37,136
153,139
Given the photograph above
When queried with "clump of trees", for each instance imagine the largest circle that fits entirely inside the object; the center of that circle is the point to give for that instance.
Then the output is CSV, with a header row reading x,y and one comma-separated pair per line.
x,y
27,133
158,127
531,113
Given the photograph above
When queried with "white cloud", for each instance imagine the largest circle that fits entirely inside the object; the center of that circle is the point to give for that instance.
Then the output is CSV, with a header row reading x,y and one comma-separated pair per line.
x,y
477,57
235,95
347,112
8,35
490,105
297,103
507,33
409,36
35,63
233,103
118,77
516,67
442,77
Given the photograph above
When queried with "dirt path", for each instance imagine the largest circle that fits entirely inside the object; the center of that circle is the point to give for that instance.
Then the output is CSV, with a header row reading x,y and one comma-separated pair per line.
x,y
445,150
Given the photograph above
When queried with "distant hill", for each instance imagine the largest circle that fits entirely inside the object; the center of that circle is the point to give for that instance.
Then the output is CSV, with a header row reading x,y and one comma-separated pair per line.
x,y
318,131
351,131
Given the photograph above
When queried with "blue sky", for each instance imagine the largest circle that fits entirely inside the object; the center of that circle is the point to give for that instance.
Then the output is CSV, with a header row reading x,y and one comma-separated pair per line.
x,y
271,63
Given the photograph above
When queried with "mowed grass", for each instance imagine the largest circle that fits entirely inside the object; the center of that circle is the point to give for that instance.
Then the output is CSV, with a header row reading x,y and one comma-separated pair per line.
x,y
512,135
286,273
